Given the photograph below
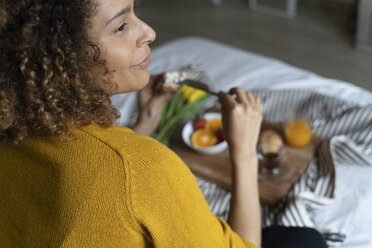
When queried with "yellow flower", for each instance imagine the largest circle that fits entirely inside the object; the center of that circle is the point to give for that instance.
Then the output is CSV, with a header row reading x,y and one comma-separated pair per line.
x,y
187,91
191,94
195,95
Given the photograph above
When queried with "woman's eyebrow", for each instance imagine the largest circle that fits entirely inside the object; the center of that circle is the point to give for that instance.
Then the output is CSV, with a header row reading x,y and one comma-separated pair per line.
x,y
120,13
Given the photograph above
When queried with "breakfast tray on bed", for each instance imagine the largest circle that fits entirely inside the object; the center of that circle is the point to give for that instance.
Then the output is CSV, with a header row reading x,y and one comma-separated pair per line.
x,y
216,168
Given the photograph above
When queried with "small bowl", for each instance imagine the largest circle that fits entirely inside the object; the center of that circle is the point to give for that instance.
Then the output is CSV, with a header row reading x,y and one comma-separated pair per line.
x,y
188,131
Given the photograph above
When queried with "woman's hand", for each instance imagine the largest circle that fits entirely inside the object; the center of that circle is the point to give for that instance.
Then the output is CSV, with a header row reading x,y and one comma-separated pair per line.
x,y
242,118
150,105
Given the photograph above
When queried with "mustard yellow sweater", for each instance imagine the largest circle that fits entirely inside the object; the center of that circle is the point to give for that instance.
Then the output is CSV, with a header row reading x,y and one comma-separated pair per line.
x,y
103,188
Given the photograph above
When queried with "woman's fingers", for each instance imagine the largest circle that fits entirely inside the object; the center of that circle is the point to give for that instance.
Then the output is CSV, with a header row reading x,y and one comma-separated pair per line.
x,y
259,104
251,98
240,95
163,97
241,116
243,97
226,99
154,80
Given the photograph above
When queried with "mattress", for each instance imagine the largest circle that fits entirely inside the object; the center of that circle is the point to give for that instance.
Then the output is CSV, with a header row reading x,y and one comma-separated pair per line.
x,y
229,67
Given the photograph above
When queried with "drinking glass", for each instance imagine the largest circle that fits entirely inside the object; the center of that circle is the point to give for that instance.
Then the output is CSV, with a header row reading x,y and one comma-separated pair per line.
x,y
272,166
297,129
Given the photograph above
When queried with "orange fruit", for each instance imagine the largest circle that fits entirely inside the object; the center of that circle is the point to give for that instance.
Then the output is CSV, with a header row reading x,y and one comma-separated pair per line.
x,y
297,133
214,124
203,138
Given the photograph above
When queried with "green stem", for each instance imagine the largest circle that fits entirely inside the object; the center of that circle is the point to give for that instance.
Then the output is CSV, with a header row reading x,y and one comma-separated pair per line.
x,y
183,113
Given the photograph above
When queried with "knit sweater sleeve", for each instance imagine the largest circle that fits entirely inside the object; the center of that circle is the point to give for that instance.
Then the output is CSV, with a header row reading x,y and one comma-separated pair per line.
x,y
168,204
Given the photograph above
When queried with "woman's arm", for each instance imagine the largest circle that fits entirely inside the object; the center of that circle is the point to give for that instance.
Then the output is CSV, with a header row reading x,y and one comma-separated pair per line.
x,y
244,216
167,203
150,105
242,120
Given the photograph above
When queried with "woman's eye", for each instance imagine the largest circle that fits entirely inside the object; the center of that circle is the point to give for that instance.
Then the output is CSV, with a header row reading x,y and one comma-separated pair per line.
x,y
121,28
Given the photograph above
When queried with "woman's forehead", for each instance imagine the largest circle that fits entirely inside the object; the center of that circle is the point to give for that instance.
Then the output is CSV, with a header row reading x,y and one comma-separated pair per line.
x,y
109,10
111,7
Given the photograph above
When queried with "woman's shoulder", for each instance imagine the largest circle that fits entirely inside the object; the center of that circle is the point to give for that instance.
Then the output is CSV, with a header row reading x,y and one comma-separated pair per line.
x,y
119,138
128,144
142,155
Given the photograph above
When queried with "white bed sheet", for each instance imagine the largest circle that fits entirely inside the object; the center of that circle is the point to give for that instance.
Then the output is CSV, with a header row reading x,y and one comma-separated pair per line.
x,y
229,67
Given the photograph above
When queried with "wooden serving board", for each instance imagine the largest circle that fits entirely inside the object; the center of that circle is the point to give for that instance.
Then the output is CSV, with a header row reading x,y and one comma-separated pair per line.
x,y
216,168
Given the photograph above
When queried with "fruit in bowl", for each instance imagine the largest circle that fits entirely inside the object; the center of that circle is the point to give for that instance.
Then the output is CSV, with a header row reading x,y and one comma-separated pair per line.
x,y
205,134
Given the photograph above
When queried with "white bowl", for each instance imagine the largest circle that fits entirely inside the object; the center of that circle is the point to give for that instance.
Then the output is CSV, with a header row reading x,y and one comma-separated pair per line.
x,y
188,130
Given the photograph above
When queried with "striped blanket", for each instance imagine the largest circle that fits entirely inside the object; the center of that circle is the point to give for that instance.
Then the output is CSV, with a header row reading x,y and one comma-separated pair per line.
x,y
345,133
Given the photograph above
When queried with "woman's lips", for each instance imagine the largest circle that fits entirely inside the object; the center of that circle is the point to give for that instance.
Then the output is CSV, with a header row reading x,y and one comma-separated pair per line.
x,y
146,62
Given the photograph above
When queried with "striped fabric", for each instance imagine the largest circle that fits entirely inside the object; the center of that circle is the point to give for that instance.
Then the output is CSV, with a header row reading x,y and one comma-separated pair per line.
x,y
345,133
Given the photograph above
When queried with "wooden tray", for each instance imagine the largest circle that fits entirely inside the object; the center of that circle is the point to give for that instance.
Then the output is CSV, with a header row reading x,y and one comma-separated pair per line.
x,y
216,168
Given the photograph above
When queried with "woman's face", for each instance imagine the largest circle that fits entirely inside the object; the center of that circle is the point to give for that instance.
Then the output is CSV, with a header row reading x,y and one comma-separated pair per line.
x,y
124,42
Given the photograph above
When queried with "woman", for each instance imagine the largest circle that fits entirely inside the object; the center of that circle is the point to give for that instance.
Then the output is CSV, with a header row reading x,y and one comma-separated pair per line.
x,y
68,177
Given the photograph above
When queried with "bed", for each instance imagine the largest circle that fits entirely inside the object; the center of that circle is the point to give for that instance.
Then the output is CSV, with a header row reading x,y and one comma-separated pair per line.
x,y
349,210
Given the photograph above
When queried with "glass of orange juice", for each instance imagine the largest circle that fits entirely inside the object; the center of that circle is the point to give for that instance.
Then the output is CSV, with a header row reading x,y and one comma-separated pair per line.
x,y
297,129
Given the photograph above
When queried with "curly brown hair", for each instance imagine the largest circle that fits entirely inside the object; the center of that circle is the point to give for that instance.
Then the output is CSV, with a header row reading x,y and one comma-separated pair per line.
x,y
48,80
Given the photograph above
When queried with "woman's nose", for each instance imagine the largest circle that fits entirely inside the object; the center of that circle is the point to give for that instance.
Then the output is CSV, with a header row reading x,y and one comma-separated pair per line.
x,y
147,37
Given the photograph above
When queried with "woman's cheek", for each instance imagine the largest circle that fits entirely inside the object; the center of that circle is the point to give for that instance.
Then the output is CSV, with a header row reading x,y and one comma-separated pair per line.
x,y
120,58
